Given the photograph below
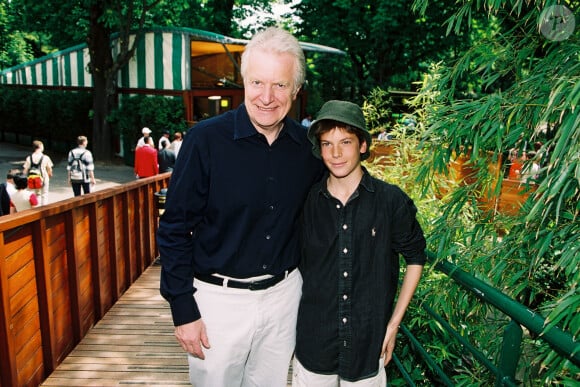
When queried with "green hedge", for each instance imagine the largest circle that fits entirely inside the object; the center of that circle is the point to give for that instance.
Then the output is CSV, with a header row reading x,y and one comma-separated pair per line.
x,y
51,115
158,113
57,117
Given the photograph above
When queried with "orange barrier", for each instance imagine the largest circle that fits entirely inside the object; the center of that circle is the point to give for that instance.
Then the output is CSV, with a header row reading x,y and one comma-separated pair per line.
x,y
461,171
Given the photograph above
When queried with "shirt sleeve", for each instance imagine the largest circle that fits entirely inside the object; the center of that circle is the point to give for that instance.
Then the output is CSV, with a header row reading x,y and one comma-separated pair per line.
x,y
185,201
89,162
27,164
47,162
408,239
155,163
33,200
69,160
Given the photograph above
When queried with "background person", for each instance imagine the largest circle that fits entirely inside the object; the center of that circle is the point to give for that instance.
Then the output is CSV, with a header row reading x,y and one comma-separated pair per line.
x,y
177,141
227,239
45,165
146,163
166,158
85,162
146,132
164,140
10,187
531,168
23,199
5,203
7,189
354,227
307,120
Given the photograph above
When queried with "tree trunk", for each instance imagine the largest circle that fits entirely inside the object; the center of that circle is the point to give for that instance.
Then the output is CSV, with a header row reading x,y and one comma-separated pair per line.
x,y
104,85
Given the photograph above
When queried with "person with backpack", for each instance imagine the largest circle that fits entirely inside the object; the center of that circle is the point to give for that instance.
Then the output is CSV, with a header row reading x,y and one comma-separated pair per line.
x,y
81,167
38,169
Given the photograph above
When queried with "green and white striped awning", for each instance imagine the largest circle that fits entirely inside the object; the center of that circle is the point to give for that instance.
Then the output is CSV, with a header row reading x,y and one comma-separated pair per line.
x,y
155,53
159,50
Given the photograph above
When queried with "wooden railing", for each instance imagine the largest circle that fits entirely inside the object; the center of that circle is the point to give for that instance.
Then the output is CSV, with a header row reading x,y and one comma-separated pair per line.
x,y
62,267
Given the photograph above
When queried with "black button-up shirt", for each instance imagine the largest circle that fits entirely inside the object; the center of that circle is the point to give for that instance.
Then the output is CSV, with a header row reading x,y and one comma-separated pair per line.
x,y
350,266
232,205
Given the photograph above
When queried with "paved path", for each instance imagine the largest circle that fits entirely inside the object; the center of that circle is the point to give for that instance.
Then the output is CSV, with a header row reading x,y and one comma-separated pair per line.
x,y
106,175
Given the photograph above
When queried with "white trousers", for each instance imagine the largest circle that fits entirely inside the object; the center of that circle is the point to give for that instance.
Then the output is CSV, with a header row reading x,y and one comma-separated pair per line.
x,y
252,334
42,193
301,377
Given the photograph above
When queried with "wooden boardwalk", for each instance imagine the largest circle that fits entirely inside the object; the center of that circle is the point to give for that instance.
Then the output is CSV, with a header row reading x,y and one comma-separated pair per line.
x,y
132,345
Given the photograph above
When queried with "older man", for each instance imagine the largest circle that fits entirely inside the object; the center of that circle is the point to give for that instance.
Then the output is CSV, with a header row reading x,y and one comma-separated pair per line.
x,y
227,238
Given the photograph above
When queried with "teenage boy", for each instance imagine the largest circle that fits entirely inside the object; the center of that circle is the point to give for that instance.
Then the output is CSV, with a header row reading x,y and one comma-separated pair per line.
x,y
354,227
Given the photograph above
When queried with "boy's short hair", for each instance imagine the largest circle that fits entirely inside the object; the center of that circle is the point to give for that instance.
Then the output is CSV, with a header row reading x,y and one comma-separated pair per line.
x,y
20,181
325,126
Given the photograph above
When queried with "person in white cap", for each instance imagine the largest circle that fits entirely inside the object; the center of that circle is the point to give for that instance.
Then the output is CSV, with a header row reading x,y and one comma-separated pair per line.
x,y
146,133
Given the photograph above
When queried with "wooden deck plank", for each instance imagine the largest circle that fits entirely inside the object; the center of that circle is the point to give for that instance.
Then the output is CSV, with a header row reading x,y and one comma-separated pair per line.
x,y
133,344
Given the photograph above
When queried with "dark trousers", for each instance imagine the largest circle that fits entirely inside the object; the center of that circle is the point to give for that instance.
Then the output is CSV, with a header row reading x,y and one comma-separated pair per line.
x,y
77,188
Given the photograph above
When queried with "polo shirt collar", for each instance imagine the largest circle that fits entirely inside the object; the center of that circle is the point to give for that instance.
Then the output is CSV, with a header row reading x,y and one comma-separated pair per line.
x,y
243,127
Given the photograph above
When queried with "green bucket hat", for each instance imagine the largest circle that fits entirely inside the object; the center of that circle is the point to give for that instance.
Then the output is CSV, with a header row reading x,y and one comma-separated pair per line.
x,y
342,111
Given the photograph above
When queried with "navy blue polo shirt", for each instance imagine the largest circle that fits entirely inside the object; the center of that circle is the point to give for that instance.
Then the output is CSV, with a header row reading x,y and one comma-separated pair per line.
x,y
232,205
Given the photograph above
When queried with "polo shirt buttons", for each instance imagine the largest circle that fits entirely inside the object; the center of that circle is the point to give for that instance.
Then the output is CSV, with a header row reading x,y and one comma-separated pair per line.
x,y
344,320
268,237
344,297
345,274
345,250
344,226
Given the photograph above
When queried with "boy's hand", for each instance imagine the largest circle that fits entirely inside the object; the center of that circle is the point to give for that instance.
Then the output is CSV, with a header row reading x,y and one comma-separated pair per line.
x,y
389,343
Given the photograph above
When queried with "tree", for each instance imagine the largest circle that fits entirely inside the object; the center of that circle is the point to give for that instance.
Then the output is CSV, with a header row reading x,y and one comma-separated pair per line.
x,y
527,91
387,44
94,21
103,67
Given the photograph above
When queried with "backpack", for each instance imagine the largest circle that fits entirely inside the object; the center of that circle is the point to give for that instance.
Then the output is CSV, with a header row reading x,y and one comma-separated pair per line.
x,y
35,180
77,169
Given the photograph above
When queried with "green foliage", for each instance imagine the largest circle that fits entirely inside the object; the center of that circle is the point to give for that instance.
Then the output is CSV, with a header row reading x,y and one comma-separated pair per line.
x,y
155,112
533,257
56,115
377,109
387,44
528,91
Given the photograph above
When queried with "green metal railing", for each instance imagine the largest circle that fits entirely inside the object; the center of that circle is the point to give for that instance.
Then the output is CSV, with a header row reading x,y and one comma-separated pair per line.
x,y
520,316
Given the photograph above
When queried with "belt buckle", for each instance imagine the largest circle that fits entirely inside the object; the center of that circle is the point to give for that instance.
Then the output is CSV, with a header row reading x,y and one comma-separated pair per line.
x,y
253,286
